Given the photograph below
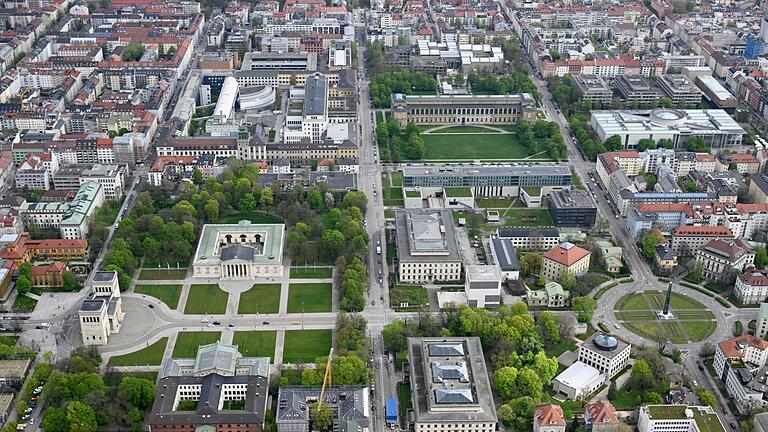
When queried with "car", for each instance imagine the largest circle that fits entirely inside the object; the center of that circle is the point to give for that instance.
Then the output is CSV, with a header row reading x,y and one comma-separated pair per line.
x,y
381,281
379,271
31,421
617,326
295,322
733,425
38,389
151,306
28,410
230,325
265,322
701,367
725,410
216,323
210,325
204,320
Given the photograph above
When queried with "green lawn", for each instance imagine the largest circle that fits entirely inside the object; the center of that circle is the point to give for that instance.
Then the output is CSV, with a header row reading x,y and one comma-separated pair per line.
x,y
528,217
636,315
310,297
255,217
262,299
405,297
256,343
162,274
494,202
24,304
397,178
311,272
206,299
674,334
699,330
389,213
648,330
473,146
151,356
557,349
304,346
466,130
187,342
625,400
691,317
633,301
393,196
458,192
404,391
168,294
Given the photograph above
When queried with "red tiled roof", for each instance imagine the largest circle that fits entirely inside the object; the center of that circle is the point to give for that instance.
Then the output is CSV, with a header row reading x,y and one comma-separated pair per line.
x,y
549,415
708,231
733,348
566,257
602,412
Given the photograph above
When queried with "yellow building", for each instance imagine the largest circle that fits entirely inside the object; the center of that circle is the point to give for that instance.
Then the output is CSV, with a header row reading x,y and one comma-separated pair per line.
x,y
566,257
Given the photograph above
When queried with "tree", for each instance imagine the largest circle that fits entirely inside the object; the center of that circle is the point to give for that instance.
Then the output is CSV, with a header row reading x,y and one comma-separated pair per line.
x,y
55,420
132,52
652,398
505,380
332,242
394,335
506,414
68,281
523,408
648,244
695,275
530,264
23,285
266,198
315,198
666,102
529,383
25,269
81,417
211,210
612,390
761,257
585,306
646,144
139,391
355,199
568,280
706,398
641,377
549,327
247,203
545,367
322,416
613,143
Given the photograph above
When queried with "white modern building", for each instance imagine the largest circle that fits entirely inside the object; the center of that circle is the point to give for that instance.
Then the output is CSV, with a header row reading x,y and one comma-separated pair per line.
x,y
669,418
482,286
751,286
715,126
111,178
578,381
607,353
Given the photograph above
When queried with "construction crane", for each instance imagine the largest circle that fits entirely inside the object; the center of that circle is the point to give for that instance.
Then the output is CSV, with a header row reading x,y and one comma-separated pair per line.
x,y
326,378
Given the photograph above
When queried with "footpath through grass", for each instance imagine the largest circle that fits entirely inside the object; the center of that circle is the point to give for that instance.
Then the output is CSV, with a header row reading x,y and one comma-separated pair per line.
x,y
206,299
304,346
168,294
261,299
148,356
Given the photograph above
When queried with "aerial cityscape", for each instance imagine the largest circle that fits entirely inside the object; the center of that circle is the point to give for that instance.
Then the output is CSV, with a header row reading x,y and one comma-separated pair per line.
x,y
384,215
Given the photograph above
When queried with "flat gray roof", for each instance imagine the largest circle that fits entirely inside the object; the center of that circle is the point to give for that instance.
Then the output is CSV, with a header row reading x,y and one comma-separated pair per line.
x,y
449,384
425,235
315,95
492,170
208,249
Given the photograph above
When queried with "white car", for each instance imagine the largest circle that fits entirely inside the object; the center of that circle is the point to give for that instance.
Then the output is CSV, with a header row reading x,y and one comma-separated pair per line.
x,y
204,320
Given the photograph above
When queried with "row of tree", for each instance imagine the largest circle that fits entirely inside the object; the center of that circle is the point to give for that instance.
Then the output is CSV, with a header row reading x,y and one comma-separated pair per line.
x,y
384,84
353,282
543,136
400,144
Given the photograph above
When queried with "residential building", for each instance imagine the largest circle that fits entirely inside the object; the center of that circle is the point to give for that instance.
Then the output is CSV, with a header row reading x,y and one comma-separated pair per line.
x,y
505,257
552,296
565,258
463,109
600,416
242,251
751,286
548,418
719,259
758,189
450,385
482,286
427,250
744,349
761,328
111,178
665,418
665,258
680,89
530,239
101,313
609,354
217,390
741,363
686,240
610,256
488,181
572,208
37,171
715,126
743,163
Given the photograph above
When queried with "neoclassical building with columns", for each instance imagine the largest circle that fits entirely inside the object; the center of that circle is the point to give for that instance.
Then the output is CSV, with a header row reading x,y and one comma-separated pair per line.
x,y
239,251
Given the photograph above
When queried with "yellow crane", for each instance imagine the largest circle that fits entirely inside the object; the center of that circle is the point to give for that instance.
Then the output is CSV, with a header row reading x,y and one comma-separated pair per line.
x,y
326,378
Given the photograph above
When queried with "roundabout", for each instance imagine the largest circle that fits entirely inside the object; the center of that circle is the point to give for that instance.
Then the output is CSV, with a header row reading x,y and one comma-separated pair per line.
x,y
688,321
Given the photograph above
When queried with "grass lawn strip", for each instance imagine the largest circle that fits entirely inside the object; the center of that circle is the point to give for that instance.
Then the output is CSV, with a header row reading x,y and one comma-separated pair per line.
x,y
311,272
473,146
188,342
523,217
310,297
699,330
206,299
397,178
168,294
632,302
162,274
262,299
148,356
304,346
256,343
24,304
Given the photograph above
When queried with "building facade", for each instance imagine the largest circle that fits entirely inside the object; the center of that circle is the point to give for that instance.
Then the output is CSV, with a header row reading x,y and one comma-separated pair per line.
x,y
463,109
101,313
565,258
427,249
241,251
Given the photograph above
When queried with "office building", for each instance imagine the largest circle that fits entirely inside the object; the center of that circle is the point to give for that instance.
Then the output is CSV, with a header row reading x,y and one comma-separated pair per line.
x,y
680,89
101,313
218,390
572,208
761,328
37,171
351,406
714,126
665,418
427,250
577,381
719,259
111,178
463,109
450,388
740,363
505,256
751,286
482,286
686,240
13,372
593,89
530,239
71,218
636,90
608,354
565,258
758,189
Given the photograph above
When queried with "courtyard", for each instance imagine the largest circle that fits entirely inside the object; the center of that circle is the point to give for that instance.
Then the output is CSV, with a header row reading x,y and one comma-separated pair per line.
x,y
692,321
